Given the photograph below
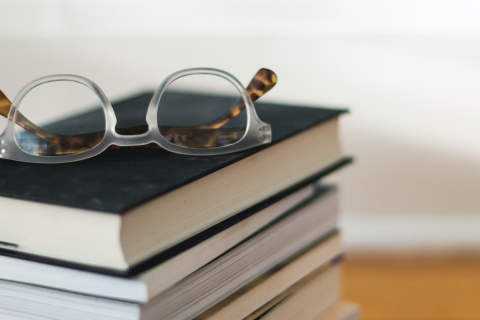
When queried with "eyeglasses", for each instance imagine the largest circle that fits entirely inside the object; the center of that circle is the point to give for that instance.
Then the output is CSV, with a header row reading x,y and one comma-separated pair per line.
x,y
197,111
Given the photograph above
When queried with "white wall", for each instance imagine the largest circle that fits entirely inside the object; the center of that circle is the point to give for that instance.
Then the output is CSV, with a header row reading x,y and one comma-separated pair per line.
x,y
408,70
152,18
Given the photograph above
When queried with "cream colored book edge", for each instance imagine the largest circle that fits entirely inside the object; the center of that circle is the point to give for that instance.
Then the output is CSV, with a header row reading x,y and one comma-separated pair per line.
x,y
310,300
118,242
156,279
279,298
243,303
340,311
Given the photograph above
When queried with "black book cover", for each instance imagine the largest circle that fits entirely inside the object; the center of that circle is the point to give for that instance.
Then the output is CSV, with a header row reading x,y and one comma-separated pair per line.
x,y
118,180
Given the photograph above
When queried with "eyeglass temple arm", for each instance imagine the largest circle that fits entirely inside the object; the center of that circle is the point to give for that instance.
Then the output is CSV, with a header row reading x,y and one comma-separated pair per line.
x,y
5,105
262,82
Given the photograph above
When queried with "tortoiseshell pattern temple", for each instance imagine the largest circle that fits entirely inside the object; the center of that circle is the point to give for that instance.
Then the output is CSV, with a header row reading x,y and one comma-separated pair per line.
x,y
5,105
203,136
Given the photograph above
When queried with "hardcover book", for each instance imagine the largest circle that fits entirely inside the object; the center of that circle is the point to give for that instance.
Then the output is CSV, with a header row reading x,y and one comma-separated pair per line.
x,y
115,211
288,248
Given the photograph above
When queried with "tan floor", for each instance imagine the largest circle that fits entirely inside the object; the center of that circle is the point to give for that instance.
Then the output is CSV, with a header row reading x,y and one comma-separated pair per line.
x,y
413,289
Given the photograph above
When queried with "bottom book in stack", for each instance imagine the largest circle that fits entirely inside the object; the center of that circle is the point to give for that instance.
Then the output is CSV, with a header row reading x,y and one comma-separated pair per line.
x,y
279,263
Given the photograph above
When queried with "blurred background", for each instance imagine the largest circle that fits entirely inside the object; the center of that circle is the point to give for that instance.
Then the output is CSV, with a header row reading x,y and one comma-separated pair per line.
x,y
409,71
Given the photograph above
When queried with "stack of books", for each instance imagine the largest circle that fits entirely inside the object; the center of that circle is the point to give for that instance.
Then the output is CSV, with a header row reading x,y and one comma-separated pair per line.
x,y
148,234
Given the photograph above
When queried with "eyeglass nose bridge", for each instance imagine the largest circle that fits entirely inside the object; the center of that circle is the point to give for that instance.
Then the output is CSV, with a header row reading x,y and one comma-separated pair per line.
x,y
123,140
133,140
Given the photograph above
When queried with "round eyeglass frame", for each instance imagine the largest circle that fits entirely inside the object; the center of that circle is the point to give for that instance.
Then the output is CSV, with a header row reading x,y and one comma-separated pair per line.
x,y
257,132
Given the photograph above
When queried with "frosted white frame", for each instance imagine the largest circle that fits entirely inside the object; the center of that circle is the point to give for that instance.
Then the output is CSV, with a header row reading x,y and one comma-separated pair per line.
x,y
256,133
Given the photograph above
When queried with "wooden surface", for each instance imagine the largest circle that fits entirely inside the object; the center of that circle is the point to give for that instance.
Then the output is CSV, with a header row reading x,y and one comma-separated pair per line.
x,y
419,289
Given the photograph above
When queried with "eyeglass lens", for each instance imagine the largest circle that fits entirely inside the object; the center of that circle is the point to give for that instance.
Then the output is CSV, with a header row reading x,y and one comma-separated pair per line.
x,y
59,118
201,111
